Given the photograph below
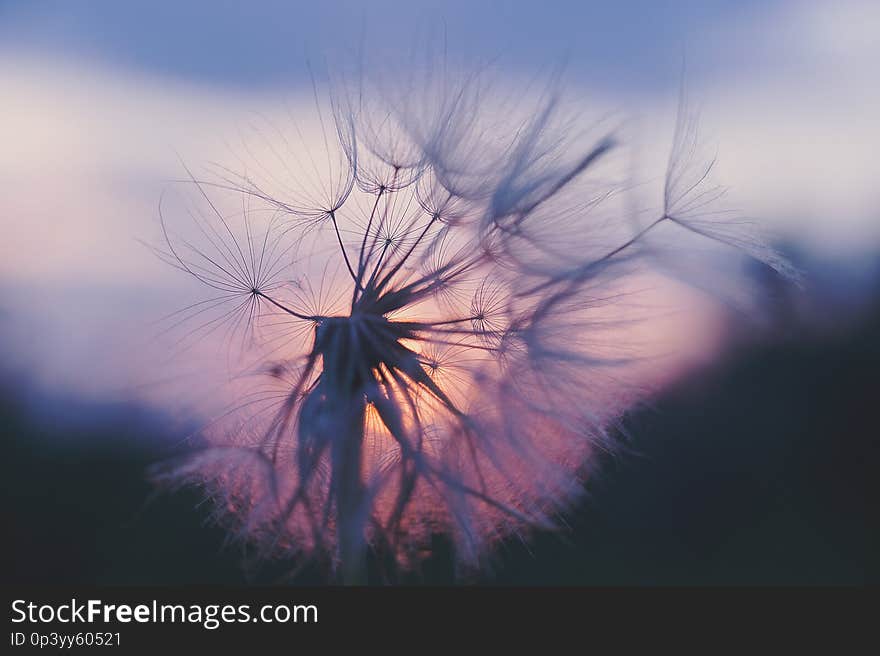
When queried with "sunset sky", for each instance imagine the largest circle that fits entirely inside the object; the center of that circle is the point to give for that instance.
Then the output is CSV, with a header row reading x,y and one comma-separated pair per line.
x,y
101,100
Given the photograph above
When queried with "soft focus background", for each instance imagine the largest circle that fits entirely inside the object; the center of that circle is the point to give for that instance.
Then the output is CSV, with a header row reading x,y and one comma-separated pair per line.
x,y
750,468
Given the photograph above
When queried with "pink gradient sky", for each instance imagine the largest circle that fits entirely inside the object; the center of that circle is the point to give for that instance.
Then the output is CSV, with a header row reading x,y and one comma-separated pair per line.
x,y
88,144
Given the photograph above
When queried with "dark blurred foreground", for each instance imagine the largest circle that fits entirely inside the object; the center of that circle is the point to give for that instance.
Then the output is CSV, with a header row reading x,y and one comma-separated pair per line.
x,y
754,472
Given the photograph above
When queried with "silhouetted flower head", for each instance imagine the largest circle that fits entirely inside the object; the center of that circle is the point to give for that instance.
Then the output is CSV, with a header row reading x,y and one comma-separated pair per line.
x,y
423,284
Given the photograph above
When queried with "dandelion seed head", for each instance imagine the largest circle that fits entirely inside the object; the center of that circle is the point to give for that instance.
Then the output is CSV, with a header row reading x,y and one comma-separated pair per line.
x,y
426,310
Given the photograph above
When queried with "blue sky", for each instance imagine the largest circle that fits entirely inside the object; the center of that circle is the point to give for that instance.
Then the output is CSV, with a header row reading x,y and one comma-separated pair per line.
x,y
634,45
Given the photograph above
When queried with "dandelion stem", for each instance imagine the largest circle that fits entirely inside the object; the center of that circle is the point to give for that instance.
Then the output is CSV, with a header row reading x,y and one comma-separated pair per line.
x,y
305,317
403,260
582,272
350,494
342,248
361,266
